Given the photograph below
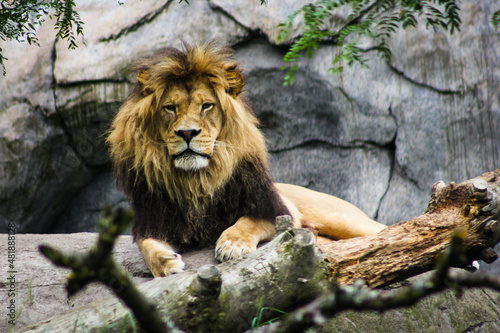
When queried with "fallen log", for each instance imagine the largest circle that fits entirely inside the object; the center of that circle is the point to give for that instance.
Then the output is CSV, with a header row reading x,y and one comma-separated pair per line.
x,y
411,247
292,270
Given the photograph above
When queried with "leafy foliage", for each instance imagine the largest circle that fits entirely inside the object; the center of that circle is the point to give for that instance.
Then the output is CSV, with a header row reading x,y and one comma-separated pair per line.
x,y
368,21
495,19
19,21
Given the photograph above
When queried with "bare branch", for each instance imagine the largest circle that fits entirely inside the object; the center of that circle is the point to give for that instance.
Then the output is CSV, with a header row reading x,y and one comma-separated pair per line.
x,y
97,265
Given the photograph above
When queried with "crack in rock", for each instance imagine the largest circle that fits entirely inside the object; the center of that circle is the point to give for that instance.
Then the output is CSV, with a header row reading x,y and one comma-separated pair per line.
x,y
422,84
477,327
71,84
57,112
392,149
217,8
148,18
360,144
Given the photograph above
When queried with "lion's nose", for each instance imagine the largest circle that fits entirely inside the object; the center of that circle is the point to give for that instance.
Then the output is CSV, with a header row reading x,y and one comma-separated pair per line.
x,y
187,135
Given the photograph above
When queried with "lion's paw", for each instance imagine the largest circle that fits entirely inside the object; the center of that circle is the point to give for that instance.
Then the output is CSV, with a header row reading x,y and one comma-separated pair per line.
x,y
165,263
232,245
160,257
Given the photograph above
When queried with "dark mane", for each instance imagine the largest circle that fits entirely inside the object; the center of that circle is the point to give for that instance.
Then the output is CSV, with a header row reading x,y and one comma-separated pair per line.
x,y
250,192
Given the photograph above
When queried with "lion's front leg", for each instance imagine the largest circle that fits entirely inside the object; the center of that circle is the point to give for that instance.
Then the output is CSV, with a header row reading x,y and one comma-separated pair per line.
x,y
160,257
243,237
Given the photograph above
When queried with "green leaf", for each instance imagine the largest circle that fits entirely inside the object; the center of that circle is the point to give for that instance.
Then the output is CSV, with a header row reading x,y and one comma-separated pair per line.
x,y
495,19
407,19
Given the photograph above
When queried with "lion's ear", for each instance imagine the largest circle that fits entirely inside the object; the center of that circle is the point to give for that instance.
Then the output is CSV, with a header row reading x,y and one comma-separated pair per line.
x,y
236,82
142,79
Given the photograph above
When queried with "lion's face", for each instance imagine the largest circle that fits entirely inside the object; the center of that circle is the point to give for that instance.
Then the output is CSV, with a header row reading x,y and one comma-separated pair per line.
x,y
186,124
191,120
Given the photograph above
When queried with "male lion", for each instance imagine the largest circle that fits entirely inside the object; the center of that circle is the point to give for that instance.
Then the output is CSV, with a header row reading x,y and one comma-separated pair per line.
x,y
188,152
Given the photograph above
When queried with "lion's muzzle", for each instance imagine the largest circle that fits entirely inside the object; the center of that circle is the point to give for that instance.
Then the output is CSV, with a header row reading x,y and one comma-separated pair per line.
x,y
188,154
187,135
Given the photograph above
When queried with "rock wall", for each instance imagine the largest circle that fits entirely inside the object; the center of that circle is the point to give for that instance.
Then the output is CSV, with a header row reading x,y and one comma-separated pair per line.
x,y
377,137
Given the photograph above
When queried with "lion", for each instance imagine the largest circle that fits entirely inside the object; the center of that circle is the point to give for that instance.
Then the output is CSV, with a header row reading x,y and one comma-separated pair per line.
x,y
188,152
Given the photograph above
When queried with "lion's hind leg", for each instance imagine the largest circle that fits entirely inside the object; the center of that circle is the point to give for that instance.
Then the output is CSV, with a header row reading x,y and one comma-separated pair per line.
x,y
328,215
243,237
160,257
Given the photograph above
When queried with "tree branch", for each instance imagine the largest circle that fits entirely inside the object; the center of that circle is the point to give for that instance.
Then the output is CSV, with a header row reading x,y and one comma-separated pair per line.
x,y
359,297
97,265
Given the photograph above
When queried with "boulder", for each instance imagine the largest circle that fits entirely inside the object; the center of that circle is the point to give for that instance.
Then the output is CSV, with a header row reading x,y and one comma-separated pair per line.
x,y
377,137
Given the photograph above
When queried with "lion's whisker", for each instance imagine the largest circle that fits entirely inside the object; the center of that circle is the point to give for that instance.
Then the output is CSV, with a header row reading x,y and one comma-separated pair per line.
x,y
220,143
224,144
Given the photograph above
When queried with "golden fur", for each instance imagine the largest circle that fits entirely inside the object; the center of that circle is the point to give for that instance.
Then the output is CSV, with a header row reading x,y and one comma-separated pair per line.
x,y
187,150
136,134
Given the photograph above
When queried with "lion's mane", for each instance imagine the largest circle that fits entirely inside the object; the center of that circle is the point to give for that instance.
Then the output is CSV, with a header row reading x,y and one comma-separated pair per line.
x,y
135,140
183,207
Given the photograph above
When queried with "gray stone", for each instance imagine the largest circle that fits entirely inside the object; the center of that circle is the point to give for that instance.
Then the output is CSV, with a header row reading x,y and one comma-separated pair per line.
x,y
311,110
444,94
39,173
404,194
85,112
113,42
320,139
377,137
311,166
251,53
85,209
29,72
40,286
257,17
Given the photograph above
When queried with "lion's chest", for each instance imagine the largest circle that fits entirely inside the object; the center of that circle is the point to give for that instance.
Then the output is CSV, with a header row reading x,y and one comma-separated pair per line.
x,y
250,192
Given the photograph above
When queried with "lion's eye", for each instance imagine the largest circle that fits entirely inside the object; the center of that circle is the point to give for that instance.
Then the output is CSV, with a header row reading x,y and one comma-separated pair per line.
x,y
170,108
207,106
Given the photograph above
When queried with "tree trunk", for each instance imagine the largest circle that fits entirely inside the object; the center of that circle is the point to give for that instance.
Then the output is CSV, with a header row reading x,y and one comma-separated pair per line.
x,y
412,247
292,270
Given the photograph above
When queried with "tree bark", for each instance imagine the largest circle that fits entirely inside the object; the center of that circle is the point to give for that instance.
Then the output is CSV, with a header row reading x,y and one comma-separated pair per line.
x,y
412,247
292,270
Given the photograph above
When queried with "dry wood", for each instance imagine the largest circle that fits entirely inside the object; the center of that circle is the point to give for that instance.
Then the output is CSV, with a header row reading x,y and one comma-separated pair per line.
x,y
290,270
286,272
412,247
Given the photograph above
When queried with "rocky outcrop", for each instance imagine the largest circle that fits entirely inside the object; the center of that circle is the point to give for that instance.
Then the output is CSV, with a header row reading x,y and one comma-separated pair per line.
x,y
377,137
40,293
